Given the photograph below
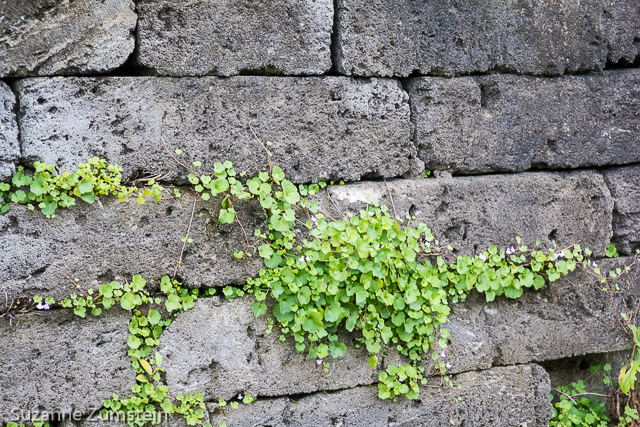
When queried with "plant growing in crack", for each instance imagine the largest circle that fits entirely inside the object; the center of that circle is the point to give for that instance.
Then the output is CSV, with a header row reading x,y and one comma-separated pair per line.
x,y
385,277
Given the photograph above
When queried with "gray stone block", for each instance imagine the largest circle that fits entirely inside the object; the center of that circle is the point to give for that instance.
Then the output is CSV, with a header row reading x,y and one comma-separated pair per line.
x,y
331,128
473,213
504,396
9,144
559,321
443,37
624,184
47,37
113,240
56,361
515,123
220,350
287,37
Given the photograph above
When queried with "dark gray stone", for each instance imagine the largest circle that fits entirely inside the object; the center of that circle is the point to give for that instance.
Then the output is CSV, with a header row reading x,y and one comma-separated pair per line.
x,y
451,37
515,123
473,213
624,184
113,240
56,361
561,320
331,128
9,144
504,396
220,350
287,37
47,37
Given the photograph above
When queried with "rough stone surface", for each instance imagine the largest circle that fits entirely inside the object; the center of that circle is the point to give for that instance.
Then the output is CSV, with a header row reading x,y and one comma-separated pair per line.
x,y
624,184
475,212
500,397
444,37
573,369
9,144
330,128
47,37
60,362
113,240
219,349
514,123
287,37
561,320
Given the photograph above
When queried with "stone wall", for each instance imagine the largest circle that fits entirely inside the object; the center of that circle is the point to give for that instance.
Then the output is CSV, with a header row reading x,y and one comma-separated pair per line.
x,y
527,113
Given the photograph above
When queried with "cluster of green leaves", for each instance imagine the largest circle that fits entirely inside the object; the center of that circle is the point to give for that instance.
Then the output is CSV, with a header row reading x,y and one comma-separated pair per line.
x,y
578,408
366,272
150,394
47,190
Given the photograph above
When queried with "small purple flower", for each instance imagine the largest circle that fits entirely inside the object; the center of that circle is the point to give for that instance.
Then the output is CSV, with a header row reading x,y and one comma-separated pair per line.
x,y
558,254
239,396
42,306
371,213
302,258
594,265
401,380
443,354
122,286
448,365
482,257
319,361
427,244
511,250
314,220
307,258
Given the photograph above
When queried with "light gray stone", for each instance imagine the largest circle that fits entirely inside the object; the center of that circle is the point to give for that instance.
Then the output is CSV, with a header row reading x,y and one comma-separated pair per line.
x,y
331,128
473,213
113,240
9,144
445,37
56,361
504,396
47,37
220,350
624,184
515,123
287,37
559,321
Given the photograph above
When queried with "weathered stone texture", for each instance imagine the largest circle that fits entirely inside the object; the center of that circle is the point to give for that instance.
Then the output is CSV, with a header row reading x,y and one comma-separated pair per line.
x,y
289,37
330,128
47,37
514,123
219,349
444,37
113,240
624,184
561,320
475,212
56,361
505,396
9,144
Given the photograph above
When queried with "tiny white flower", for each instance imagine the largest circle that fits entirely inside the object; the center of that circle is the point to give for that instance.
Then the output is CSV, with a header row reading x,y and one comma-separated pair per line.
x,y
594,265
319,361
443,354
239,396
428,244
371,213
482,257
302,258
448,365
40,306
308,258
